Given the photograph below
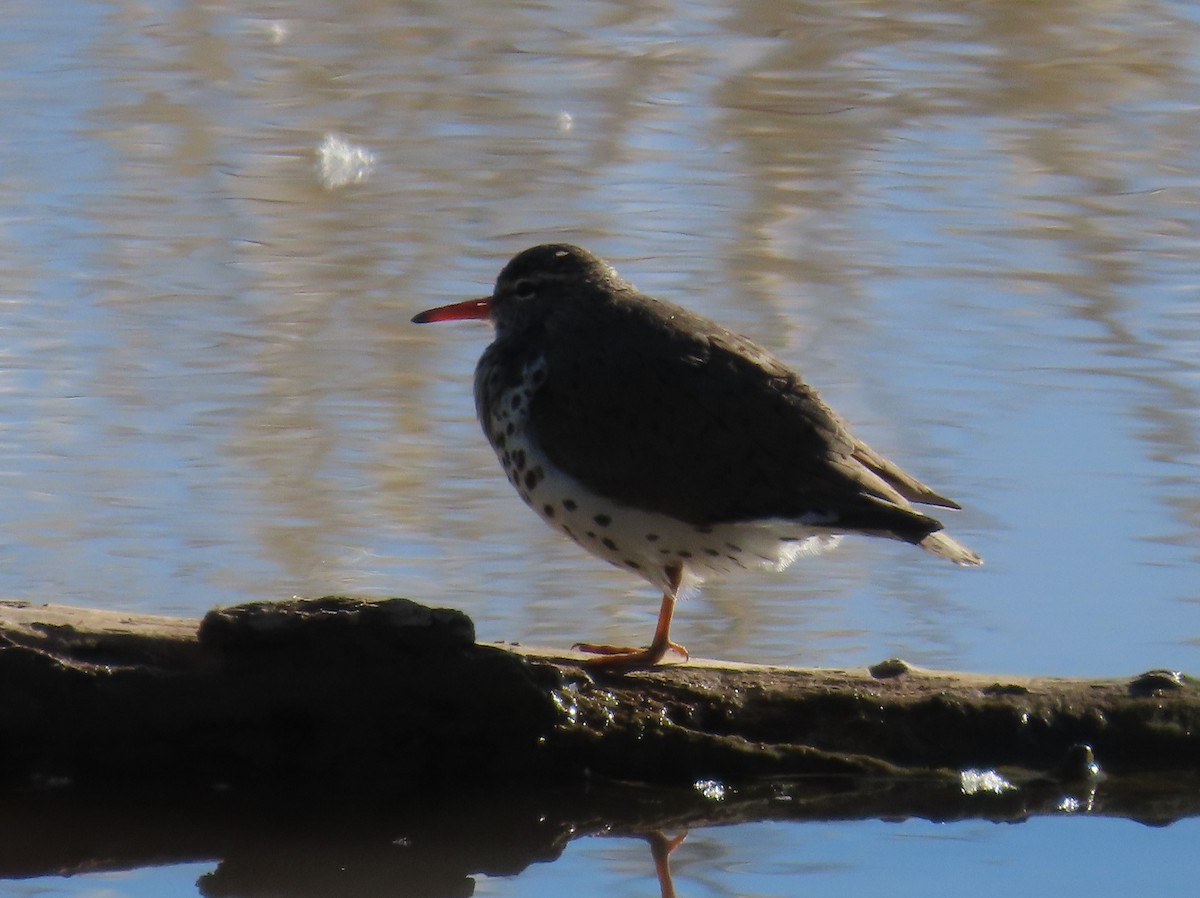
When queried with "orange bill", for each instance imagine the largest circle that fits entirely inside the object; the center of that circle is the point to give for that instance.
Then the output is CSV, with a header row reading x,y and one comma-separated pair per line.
x,y
459,311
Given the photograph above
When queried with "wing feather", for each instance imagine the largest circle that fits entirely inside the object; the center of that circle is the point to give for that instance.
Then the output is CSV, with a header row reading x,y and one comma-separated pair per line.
x,y
669,412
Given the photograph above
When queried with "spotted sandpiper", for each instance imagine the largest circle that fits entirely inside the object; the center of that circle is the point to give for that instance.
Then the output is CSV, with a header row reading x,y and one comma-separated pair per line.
x,y
666,444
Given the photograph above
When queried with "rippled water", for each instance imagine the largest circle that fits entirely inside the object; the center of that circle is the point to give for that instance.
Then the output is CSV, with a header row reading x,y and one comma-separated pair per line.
x,y
974,228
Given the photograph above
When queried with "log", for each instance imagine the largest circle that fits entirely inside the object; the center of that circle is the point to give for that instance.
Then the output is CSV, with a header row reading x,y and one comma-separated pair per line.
x,y
309,744
344,694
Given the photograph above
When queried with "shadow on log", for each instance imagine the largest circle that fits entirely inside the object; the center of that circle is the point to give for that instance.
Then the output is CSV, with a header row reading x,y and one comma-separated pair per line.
x,y
347,703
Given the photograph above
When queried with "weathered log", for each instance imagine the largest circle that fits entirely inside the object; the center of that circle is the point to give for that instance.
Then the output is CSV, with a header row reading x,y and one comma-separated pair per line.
x,y
337,693
337,744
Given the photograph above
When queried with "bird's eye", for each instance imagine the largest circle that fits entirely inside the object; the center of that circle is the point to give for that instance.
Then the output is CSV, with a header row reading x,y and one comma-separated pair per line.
x,y
523,288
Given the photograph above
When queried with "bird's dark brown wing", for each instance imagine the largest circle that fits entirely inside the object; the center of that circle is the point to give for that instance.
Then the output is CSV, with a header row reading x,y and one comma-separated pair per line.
x,y
666,411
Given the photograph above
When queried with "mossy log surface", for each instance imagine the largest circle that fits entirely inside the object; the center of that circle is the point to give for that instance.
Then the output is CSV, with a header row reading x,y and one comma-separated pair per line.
x,y
336,694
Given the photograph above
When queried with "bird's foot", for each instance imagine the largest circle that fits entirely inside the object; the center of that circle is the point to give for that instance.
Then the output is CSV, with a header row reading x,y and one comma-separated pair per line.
x,y
619,657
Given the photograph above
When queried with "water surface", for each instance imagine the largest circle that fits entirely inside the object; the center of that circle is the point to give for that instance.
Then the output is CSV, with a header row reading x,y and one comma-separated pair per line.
x,y
974,228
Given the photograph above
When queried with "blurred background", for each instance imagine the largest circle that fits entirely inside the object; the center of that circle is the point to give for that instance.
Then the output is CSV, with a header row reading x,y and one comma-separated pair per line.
x,y
973,227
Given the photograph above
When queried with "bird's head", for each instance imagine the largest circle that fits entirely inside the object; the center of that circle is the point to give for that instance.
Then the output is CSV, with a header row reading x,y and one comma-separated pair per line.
x,y
533,286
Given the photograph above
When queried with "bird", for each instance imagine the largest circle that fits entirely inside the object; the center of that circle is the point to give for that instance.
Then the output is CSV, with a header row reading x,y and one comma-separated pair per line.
x,y
666,444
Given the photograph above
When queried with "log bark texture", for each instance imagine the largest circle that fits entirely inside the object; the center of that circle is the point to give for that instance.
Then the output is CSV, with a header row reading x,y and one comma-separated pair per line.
x,y
340,693
309,745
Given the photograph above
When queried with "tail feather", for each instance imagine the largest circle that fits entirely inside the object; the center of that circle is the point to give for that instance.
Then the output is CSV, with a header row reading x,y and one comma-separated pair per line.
x,y
946,547
898,479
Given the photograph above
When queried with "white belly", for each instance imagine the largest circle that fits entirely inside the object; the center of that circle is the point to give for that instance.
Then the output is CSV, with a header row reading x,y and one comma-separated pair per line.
x,y
641,541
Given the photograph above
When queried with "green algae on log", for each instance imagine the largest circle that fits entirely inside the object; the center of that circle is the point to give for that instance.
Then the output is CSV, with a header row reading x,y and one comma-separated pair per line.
x,y
343,693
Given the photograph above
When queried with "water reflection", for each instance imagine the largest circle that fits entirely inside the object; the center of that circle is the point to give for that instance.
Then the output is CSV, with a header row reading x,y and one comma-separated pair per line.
x,y
302,844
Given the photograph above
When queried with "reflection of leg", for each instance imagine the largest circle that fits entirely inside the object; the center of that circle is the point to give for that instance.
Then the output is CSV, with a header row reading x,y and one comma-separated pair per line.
x,y
660,849
625,658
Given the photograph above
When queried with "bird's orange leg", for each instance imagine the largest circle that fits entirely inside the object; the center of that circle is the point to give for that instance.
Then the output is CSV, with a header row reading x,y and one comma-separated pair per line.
x,y
614,657
660,849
